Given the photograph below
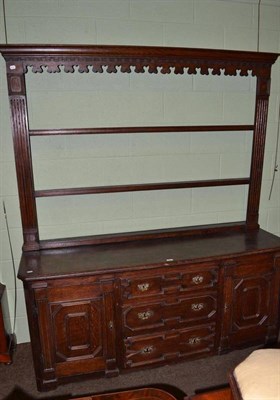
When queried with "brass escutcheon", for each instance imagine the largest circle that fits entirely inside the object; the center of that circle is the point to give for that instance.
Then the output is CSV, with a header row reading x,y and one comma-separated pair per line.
x,y
197,279
194,340
147,350
197,306
143,286
145,314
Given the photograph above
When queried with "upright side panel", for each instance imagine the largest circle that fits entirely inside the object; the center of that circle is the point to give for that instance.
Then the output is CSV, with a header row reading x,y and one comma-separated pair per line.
x,y
261,111
19,120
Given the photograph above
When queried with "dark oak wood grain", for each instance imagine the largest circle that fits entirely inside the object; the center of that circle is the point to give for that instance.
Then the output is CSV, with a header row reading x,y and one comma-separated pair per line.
x,y
55,58
168,252
151,302
108,304
141,187
143,235
165,58
140,129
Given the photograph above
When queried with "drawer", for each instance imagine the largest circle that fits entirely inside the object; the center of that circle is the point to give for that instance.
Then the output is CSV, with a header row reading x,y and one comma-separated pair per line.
x,y
169,313
169,347
171,282
145,286
199,279
247,265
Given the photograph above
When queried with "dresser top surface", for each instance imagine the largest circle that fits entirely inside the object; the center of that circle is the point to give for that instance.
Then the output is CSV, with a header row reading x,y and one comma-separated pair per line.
x,y
110,258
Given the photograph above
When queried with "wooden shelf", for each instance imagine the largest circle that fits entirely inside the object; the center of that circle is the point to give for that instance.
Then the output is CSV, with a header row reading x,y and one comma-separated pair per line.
x,y
140,129
141,187
21,59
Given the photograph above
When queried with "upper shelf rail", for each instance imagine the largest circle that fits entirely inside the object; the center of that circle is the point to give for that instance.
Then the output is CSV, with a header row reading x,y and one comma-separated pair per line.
x,y
157,59
140,129
140,187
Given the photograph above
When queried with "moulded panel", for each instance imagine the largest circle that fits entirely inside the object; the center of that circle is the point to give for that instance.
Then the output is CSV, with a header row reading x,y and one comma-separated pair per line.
x,y
77,329
251,302
169,346
201,277
170,313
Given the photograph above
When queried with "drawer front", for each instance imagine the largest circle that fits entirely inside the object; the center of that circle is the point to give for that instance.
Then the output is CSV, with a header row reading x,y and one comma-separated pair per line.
x,y
169,314
146,286
175,282
169,347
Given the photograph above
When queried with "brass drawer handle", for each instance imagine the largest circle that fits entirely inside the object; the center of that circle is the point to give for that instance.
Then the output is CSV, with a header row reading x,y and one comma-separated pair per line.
x,y
194,340
147,350
197,306
197,279
145,315
143,287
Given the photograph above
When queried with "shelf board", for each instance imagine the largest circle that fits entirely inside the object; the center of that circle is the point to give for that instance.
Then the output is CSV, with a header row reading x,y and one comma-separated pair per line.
x,y
140,187
140,129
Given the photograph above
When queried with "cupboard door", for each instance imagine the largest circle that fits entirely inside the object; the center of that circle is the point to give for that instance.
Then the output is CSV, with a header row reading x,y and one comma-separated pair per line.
x,y
76,330
78,340
251,290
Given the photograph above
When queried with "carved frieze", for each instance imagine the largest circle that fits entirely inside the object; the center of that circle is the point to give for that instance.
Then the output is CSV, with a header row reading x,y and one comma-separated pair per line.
x,y
163,60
